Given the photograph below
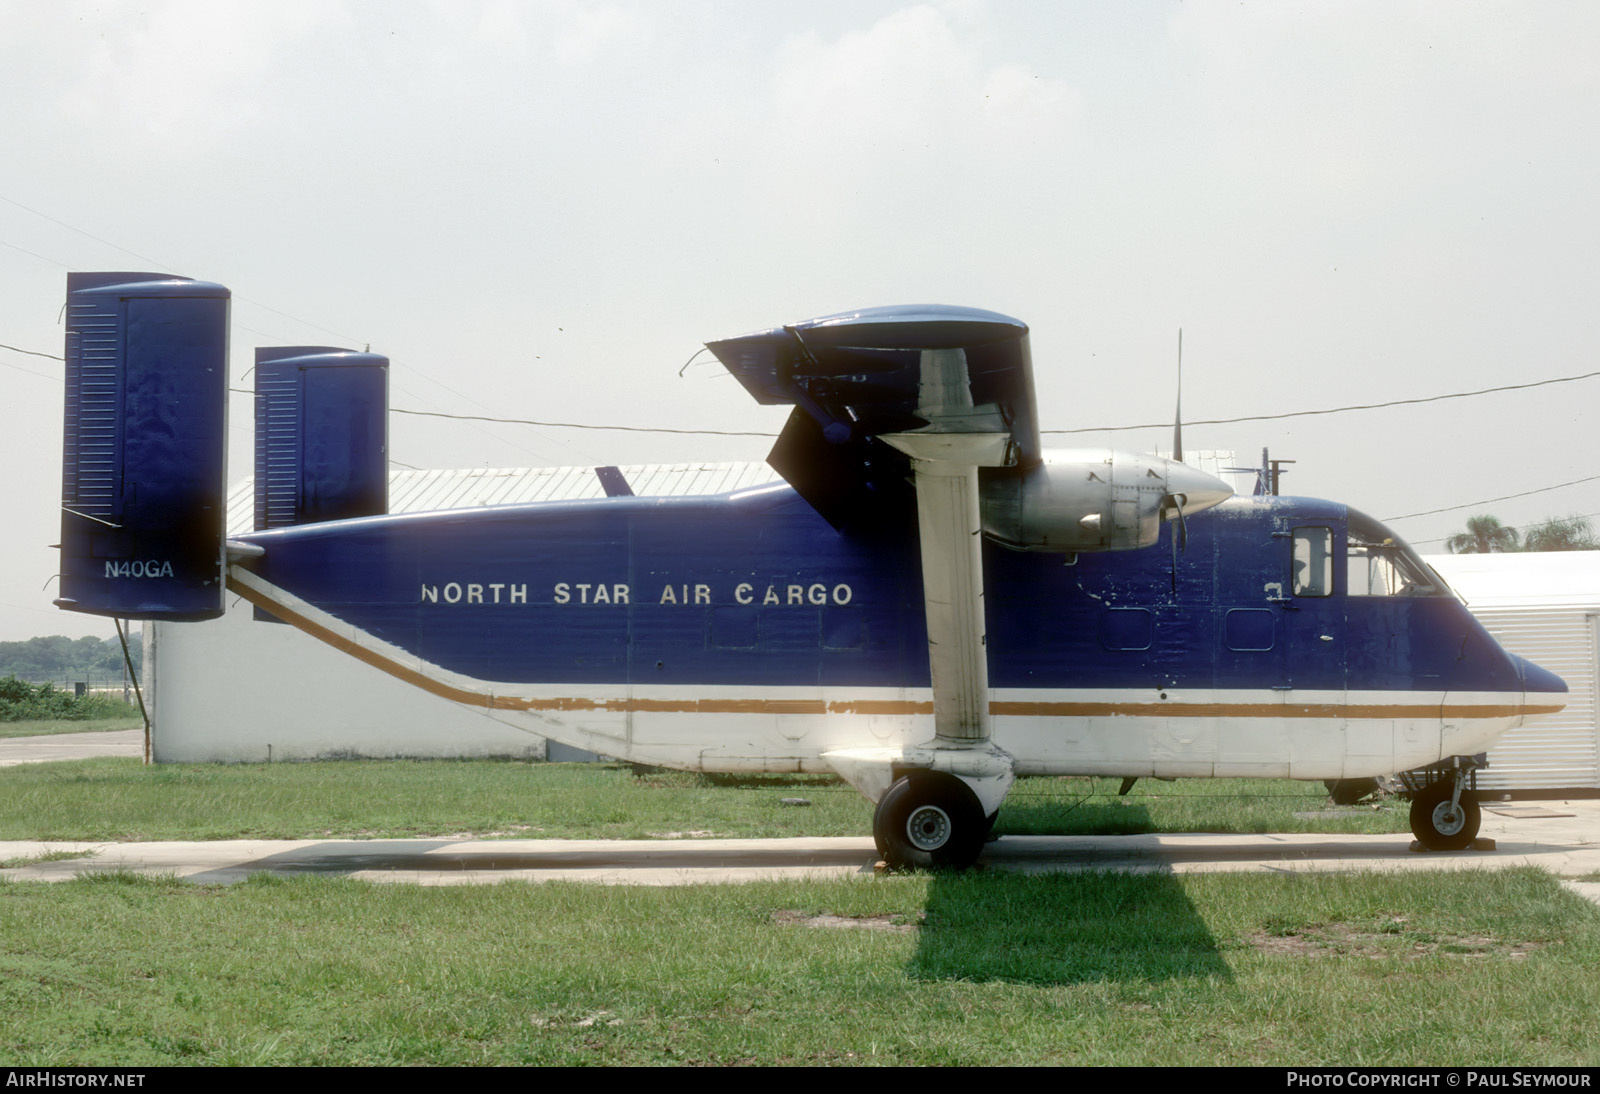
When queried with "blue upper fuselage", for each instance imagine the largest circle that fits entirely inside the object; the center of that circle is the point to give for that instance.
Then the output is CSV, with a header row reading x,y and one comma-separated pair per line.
x,y
756,589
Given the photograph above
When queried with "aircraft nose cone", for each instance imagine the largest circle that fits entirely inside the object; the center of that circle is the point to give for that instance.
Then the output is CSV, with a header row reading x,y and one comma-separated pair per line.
x,y
1200,490
1536,679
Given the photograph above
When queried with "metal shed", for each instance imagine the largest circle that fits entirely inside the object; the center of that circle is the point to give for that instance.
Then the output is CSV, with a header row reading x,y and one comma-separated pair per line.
x,y
1545,607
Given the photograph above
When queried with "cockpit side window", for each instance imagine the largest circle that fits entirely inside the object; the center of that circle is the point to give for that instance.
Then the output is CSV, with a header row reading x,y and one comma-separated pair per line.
x,y
1381,565
1313,561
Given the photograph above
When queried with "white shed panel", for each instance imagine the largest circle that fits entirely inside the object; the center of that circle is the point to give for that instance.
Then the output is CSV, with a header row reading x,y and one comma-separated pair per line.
x,y
1543,606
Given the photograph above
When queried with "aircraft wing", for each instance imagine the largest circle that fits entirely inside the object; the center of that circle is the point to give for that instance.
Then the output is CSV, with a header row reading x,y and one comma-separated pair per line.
x,y
857,376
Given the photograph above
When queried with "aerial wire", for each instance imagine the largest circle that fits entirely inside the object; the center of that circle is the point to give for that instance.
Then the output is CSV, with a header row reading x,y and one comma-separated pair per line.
x,y
244,299
1490,501
1337,409
753,433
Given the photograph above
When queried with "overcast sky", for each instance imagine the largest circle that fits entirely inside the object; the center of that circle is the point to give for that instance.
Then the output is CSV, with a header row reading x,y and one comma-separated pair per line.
x,y
542,209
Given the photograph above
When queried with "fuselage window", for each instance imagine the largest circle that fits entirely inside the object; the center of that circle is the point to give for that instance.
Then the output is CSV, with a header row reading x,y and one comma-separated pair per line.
x,y
1313,562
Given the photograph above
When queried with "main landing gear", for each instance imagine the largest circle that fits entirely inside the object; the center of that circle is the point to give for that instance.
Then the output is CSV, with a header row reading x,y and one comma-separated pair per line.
x,y
936,804
929,819
1444,804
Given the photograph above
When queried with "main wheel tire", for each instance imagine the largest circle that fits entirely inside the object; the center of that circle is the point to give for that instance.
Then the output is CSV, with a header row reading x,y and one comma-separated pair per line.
x,y
1436,826
929,820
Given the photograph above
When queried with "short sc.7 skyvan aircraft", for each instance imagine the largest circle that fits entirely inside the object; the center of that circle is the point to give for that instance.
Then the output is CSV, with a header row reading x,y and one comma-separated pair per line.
x,y
932,606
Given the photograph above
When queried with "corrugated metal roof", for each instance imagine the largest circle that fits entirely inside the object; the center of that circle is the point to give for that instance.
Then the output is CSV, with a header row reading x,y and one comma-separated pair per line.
x,y
1523,579
423,491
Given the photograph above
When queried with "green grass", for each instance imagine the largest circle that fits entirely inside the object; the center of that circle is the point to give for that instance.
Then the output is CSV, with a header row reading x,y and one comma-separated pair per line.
x,y
45,727
1084,806
981,968
985,968
122,799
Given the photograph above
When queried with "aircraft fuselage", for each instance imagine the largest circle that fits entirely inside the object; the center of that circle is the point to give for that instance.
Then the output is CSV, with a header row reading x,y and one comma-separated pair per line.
x,y
744,632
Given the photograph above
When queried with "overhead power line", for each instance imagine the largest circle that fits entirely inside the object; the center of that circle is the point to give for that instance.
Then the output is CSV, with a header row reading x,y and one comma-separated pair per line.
x,y
1087,429
91,235
753,433
1336,409
1491,501
31,372
583,425
157,264
32,352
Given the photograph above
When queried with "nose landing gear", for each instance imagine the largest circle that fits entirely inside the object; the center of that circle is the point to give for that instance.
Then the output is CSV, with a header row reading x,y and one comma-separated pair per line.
x,y
1444,803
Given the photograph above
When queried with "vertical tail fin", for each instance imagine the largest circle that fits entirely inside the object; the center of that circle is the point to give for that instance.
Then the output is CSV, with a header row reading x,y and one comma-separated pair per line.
x,y
145,448
322,435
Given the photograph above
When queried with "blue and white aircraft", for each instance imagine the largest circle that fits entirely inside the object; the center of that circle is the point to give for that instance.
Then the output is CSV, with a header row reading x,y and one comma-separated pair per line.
x,y
932,606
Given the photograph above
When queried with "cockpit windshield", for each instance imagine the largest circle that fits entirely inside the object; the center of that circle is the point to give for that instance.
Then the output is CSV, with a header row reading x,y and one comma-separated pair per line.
x,y
1380,564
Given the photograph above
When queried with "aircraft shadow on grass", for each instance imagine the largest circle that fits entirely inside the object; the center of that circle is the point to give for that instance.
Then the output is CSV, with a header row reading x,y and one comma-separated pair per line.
x,y
1064,928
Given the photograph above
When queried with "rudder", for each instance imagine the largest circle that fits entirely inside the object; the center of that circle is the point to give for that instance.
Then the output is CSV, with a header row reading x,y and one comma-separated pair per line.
x,y
145,447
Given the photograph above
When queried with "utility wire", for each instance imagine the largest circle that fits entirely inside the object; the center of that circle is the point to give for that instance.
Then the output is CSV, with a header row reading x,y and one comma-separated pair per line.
x,y
1096,429
81,232
582,425
34,254
747,433
32,352
722,433
1490,501
159,265
31,372
1336,409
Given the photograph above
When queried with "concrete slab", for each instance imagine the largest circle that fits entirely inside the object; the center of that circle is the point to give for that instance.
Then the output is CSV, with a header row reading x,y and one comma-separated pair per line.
x,y
1567,845
71,746
458,862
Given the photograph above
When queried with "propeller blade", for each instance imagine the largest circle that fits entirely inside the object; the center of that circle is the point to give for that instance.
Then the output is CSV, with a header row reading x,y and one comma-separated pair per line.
x,y
1174,562
1175,501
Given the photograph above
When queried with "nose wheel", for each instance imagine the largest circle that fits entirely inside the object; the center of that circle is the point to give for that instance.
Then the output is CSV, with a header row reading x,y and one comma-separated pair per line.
x,y
929,820
1440,821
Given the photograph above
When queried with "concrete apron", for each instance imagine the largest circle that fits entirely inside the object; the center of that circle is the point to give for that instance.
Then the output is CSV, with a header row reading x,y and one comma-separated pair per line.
x,y
1562,837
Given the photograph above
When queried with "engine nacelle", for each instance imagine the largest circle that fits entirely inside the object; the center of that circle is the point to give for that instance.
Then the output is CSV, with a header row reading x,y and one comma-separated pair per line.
x,y
1093,500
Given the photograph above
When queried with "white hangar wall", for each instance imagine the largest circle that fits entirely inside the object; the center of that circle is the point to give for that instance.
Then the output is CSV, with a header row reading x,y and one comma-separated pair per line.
x,y
1542,605
239,690
236,690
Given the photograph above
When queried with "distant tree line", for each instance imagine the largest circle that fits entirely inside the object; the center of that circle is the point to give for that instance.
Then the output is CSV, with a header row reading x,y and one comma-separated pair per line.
x,y
21,701
1486,535
59,658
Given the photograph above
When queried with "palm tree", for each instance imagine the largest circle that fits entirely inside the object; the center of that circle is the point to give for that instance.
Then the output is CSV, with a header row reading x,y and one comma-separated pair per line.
x,y
1484,534
1561,534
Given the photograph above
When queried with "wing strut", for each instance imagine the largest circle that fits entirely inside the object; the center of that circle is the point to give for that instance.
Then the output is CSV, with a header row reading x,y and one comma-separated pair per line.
x,y
945,456
950,529
936,801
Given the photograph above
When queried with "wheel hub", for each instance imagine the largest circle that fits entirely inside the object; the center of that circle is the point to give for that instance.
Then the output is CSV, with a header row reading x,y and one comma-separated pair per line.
x,y
1447,821
928,828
